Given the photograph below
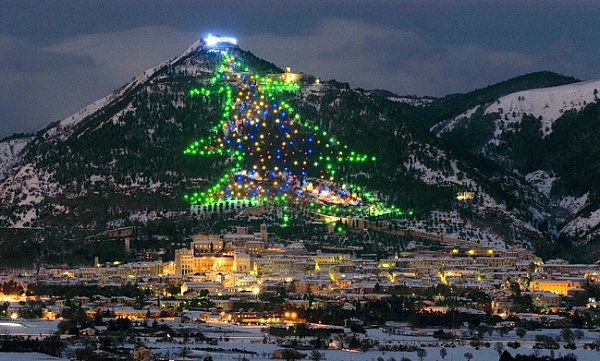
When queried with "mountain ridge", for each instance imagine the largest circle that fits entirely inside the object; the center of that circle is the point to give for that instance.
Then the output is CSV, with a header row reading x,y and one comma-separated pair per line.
x,y
118,161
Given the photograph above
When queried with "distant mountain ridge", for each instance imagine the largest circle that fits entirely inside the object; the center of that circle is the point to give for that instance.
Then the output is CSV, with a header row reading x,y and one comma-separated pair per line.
x,y
119,160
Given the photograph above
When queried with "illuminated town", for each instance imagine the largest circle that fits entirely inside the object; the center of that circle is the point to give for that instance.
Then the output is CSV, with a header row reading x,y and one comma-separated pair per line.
x,y
268,287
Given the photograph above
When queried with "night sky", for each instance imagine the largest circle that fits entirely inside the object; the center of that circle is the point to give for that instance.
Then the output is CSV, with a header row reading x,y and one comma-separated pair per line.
x,y
58,56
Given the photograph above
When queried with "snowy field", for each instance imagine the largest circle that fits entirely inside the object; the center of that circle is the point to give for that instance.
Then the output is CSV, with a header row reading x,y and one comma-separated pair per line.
x,y
28,356
28,328
249,338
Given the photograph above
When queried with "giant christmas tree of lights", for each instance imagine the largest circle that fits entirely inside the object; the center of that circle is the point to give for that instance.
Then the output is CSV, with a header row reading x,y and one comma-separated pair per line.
x,y
275,155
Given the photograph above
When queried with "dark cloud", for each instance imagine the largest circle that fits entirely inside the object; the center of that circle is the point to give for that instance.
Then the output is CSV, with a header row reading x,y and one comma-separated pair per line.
x,y
27,58
59,56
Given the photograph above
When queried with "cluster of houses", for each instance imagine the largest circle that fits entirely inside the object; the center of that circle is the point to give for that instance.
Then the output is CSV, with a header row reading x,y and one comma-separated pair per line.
x,y
236,268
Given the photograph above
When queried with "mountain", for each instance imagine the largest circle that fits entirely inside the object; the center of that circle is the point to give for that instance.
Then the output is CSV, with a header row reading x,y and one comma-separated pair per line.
x,y
120,161
11,150
547,138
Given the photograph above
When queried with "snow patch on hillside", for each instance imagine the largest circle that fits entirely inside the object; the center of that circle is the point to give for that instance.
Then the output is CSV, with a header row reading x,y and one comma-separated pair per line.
x,y
26,188
574,205
547,103
11,152
414,101
541,180
583,224
449,125
452,225
65,127
434,176
146,216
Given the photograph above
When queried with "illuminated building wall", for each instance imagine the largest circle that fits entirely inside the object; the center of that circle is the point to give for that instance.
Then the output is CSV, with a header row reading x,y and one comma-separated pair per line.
x,y
184,261
462,196
255,248
142,269
287,77
242,263
187,264
213,263
560,287
203,244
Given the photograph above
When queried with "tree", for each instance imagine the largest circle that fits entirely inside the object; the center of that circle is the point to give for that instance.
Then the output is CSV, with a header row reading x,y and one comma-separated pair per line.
x,y
443,352
184,352
468,356
506,356
515,288
513,344
545,342
499,347
520,331
289,354
357,328
52,345
421,354
315,355
567,335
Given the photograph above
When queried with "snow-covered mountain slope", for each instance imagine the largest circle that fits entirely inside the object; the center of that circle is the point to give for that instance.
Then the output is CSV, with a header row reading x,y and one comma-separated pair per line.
x,y
449,124
11,152
28,186
541,180
64,128
546,104
583,225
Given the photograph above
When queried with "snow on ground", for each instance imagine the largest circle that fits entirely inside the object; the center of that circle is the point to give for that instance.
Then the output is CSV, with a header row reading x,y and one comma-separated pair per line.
x,y
26,218
449,125
27,188
28,356
29,327
549,103
65,127
414,101
583,224
574,205
249,338
453,226
10,154
431,176
541,180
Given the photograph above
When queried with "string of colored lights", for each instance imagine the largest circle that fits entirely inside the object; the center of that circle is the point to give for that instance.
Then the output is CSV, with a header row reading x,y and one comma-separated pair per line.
x,y
275,155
